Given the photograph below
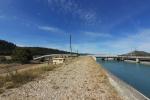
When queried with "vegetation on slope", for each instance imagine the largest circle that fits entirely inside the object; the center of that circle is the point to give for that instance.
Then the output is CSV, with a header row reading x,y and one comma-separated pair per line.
x,y
16,79
22,55
7,48
44,51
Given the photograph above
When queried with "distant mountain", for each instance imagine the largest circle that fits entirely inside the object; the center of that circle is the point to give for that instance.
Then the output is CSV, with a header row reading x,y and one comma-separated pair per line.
x,y
6,48
137,53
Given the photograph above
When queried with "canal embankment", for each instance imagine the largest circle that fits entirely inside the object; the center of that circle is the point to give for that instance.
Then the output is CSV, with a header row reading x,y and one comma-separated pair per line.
x,y
124,90
141,62
80,79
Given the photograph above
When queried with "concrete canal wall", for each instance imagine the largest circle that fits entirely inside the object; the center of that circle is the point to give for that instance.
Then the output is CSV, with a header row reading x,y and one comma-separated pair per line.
x,y
126,91
142,62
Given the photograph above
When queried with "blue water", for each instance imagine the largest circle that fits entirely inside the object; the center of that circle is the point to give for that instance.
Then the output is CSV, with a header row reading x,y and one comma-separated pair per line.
x,y
137,75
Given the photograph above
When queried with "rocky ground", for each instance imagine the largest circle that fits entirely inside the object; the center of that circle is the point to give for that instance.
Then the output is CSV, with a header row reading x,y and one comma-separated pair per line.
x,y
81,79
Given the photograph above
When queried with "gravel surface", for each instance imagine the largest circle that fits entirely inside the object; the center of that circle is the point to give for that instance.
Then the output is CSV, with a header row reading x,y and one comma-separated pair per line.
x,y
81,79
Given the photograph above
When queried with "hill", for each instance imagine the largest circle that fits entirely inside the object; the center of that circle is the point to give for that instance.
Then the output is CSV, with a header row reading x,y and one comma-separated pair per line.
x,y
44,51
6,48
137,53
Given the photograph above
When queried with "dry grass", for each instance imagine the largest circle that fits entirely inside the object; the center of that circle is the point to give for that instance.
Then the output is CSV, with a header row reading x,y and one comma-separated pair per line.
x,y
16,79
103,76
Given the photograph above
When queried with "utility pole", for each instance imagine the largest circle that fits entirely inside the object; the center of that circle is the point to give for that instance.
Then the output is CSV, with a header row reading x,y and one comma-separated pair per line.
x,y
77,53
70,45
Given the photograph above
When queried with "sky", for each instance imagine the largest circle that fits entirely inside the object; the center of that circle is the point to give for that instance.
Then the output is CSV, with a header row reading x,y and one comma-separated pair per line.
x,y
96,26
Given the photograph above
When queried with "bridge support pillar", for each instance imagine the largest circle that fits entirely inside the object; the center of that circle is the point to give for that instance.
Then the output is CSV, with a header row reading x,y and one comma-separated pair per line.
x,y
106,58
137,60
122,59
115,59
103,59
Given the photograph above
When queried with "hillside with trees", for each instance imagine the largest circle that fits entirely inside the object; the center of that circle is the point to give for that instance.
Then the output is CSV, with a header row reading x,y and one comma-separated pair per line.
x,y
7,48
21,55
44,51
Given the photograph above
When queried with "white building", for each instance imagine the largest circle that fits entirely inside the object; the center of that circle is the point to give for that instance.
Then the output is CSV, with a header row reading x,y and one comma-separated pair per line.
x,y
58,60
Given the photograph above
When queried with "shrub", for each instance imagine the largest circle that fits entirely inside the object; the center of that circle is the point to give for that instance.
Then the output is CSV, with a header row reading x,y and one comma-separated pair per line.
x,y
22,55
16,79
24,77
1,90
2,59
48,68
2,81
9,85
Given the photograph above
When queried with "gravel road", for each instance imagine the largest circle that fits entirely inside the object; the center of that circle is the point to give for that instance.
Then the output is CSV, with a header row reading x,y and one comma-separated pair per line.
x,y
81,79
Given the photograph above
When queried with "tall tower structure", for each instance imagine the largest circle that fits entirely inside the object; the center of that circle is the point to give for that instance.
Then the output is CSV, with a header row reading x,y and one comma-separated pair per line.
x,y
70,44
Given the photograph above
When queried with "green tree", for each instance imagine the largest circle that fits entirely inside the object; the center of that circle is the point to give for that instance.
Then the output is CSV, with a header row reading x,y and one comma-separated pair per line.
x,y
22,55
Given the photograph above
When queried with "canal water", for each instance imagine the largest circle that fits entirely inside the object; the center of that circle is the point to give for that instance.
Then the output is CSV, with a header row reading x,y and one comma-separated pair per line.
x,y
136,75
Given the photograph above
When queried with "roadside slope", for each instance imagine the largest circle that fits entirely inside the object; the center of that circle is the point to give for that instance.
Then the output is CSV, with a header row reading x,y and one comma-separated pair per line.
x,y
82,79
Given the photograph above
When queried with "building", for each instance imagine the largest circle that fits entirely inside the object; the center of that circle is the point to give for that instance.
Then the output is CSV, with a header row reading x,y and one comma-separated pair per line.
x,y
58,60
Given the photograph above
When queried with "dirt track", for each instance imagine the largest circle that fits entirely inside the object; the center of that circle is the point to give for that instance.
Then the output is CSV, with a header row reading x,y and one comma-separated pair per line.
x,y
82,79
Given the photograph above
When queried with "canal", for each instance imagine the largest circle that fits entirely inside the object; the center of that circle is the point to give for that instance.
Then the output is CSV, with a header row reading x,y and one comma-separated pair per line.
x,y
136,75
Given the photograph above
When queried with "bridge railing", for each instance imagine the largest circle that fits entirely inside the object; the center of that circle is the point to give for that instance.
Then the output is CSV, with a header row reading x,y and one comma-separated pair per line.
x,y
54,55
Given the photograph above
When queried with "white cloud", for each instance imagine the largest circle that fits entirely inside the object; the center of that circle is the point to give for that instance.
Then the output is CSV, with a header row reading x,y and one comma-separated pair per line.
x,y
96,34
82,47
116,45
127,17
2,16
8,17
138,41
21,45
63,5
75,9
50,29
2,33
88,48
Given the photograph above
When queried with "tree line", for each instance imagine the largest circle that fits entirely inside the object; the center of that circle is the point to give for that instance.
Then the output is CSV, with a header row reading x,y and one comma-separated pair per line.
x,y
24,54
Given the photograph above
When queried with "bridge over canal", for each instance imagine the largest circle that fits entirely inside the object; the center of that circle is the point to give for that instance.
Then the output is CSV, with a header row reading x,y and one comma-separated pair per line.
x,y
137,59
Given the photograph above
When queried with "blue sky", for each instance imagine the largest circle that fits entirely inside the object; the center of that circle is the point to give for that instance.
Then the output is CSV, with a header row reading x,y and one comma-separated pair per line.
x,y
97,26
